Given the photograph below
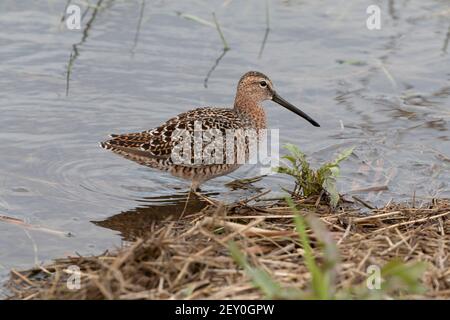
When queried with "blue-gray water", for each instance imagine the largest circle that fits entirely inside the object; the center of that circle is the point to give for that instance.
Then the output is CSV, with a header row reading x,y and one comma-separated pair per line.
x,y
384,91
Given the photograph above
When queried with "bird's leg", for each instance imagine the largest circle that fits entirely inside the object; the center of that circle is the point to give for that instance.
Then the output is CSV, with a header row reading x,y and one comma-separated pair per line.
x,y
195,186
195,190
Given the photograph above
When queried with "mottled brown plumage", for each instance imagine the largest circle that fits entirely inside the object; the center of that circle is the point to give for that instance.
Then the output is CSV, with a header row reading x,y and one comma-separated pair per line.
x,y
154,148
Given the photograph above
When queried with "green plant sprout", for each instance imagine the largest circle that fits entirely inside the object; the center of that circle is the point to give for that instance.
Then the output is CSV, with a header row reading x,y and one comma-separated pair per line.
x,y
313,182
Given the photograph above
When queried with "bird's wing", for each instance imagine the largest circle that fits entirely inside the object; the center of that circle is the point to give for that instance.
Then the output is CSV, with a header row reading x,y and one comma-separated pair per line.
x,y
159,143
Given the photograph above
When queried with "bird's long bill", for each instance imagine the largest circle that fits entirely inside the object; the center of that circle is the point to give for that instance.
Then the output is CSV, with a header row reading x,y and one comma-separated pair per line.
x,y
276,98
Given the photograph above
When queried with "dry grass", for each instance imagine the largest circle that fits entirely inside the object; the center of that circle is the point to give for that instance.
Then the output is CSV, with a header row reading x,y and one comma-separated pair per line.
x,y
190,259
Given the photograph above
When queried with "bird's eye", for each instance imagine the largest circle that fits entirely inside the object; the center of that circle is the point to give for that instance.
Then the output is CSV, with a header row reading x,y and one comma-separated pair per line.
x,y
263,84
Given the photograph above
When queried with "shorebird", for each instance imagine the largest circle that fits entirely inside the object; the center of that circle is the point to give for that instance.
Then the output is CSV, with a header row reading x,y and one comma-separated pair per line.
x,y
154,148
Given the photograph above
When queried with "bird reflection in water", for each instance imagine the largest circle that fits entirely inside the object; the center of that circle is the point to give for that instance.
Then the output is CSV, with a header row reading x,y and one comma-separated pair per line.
x,y
137,222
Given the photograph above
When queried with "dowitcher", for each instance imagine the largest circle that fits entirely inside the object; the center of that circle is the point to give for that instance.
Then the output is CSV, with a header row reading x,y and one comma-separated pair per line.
x,y
153,148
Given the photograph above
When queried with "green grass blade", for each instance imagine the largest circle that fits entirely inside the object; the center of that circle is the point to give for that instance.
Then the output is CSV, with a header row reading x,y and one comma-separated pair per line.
x,y
260,278
319,279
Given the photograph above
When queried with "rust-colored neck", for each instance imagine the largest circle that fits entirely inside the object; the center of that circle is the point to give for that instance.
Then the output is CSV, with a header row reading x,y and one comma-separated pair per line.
x,y
250,109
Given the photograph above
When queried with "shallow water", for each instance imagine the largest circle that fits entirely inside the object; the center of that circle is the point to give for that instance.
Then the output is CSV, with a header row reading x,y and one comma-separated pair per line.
x,y
384,91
